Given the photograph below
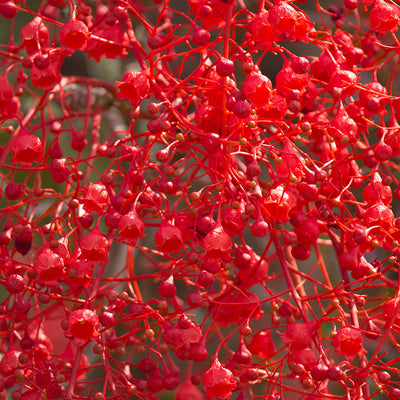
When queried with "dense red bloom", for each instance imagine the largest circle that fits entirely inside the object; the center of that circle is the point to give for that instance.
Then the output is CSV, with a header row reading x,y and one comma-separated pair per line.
x,y
218,381
82,326
248,167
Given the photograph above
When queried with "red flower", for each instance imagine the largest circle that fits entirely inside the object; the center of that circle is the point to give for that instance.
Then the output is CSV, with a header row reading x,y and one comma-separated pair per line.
x,y
298,335
49,266
131,227
115,39
384,16
291,165
46,78
34,35
279,203
262,344
236,307
257,88
348,342
95,246
218,381
169,238
74,34
26,148
217,243
135,86
96,198
377,192
379,215
80,272
290,23
82,326
10,362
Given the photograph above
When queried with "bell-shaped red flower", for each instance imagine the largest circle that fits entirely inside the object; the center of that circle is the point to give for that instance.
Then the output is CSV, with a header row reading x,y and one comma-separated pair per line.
x,y
169,238
291,165
257,88
74,34
26,148
131,227
279,203
384,16
235,307
217,243
34,36
10,362
348,342
47,77
96,198
379,215
135,86
114,40
95,246
218,381
82,326
49,266
262,344
298,335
